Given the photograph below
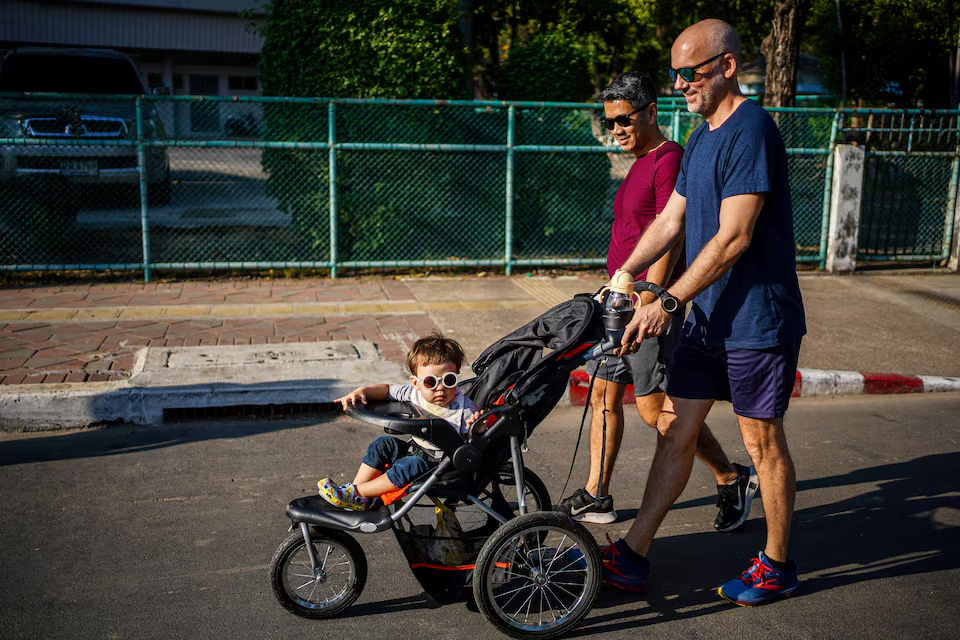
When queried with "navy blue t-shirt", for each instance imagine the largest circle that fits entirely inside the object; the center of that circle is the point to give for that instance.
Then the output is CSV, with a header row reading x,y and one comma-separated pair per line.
x,y
756,304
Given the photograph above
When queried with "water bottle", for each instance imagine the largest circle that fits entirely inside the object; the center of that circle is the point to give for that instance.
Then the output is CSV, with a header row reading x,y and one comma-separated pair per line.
x,y
618,304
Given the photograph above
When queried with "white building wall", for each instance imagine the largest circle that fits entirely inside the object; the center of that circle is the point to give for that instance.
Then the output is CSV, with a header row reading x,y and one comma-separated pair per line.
x,y
186,32
126,27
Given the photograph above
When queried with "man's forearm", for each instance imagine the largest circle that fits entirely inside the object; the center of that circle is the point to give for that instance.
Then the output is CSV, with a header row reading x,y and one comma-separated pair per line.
x,y
660,236
714,260
659,272
738,215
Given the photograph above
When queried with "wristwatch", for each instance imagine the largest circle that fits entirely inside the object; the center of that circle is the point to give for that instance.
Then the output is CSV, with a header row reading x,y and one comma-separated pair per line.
x,y
671,304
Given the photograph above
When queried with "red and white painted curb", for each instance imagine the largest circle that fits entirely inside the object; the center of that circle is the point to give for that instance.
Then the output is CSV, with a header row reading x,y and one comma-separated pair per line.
x,y
815,382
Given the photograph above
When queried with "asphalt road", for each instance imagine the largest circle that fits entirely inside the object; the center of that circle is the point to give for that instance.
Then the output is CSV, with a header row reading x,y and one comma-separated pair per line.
x,y
168,532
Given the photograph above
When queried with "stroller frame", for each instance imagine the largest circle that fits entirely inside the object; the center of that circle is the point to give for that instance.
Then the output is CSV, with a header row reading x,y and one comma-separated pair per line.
x,y
544,556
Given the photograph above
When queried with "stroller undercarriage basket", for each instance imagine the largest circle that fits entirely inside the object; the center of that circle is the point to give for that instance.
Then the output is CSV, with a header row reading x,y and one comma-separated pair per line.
x,y
440,554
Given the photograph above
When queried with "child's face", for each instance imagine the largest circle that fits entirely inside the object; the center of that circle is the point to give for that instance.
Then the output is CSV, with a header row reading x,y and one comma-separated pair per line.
x,y
439,395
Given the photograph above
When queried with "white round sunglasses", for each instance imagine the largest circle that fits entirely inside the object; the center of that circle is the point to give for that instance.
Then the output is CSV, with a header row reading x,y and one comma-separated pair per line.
x,y
449,380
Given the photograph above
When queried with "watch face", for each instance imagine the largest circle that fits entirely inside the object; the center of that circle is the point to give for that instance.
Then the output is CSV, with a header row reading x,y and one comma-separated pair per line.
x,y
672,305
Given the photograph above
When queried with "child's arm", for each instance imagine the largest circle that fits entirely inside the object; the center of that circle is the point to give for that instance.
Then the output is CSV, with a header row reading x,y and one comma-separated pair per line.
x,y
368,392
482,426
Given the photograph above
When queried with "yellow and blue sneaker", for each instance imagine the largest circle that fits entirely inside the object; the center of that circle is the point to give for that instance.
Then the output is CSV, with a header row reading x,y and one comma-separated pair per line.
x,y
345,496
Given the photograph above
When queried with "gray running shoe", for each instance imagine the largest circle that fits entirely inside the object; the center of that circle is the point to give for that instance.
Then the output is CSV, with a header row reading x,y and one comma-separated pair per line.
x,y
734,499
585,508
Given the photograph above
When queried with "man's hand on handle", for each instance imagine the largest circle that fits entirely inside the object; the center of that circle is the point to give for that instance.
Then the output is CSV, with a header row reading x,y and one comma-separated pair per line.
x,y
649,321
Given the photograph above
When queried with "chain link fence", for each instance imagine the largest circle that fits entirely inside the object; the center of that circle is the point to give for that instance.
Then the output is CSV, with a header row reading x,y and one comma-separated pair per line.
x,y
190,182
909,185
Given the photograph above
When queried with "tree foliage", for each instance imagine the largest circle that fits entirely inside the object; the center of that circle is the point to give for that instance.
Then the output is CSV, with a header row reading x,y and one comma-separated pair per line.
x,y
614,35
390,201
375,49
549,67
556,49
898,52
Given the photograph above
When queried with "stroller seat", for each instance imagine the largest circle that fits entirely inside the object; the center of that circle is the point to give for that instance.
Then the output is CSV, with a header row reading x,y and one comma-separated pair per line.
x,y
396,418
317,511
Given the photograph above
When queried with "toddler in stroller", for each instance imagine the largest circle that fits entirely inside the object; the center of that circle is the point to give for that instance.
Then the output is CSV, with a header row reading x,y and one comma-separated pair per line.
x,y
390,464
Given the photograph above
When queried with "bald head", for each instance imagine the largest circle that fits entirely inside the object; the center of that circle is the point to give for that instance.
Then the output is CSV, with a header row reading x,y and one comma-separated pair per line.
x,y
708,38
703,64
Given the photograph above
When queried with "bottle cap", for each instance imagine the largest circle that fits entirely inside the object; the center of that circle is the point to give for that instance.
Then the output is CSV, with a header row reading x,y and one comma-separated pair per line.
x,y
622,282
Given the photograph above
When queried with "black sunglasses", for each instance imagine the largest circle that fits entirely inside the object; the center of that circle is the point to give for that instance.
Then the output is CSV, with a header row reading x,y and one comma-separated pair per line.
x,y
688,73
623,121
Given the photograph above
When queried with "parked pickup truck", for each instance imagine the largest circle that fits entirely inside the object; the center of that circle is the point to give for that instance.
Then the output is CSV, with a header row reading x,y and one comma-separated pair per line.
x,y
77,71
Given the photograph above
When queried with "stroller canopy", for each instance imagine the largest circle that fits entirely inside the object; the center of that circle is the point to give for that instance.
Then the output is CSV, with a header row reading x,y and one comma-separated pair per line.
x,y
515,368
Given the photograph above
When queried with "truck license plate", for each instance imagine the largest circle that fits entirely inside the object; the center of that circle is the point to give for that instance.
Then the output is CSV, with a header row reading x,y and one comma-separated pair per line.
x,y
78,168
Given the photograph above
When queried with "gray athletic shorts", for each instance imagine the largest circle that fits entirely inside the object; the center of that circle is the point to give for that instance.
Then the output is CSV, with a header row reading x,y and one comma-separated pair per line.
x,y
646,369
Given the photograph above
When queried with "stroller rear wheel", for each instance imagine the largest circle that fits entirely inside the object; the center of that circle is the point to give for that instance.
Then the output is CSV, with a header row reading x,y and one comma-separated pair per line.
x,y
537,576
501,495
338,583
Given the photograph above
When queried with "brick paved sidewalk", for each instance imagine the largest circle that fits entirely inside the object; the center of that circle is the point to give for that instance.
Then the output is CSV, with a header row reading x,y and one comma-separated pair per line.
x,y
91,333
902,323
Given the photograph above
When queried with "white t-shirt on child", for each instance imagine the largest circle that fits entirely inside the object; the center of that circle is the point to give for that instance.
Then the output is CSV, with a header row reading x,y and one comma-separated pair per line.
x,y
456,413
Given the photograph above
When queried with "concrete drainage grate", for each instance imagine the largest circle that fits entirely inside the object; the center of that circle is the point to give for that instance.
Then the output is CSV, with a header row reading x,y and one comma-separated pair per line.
x,y
292,409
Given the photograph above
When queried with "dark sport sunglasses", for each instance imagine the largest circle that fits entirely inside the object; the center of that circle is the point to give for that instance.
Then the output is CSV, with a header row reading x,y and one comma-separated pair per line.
x,y
623,121
430,382
689,73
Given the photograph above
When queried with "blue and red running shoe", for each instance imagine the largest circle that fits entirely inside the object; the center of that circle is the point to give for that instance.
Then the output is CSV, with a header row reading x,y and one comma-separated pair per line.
x,y
621,572
760,584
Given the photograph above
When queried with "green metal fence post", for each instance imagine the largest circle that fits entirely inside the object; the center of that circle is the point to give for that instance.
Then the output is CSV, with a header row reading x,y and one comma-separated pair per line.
x,y
508,222
828,188
332,142
142,174
953,238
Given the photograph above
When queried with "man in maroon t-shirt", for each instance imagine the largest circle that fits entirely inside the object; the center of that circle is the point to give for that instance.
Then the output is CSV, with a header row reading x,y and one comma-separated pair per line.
x,y
630,113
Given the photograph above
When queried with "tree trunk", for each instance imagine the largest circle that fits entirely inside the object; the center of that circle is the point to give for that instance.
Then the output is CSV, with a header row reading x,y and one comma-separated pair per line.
x,y
955,93
781,49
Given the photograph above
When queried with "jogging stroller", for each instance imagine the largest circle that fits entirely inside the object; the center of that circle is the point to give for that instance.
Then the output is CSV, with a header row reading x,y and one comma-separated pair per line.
x,y
479,524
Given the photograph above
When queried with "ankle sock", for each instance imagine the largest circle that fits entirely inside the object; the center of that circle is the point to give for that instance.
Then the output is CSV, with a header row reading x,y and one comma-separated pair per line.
x,y
632,555
779,566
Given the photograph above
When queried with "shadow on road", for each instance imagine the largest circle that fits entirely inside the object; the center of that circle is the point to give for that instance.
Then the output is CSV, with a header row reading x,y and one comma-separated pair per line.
x,y
92,443
906,525
898,520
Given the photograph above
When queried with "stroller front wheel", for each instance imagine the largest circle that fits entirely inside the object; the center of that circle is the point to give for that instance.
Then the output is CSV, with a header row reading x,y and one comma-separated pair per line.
x,y
537,576
324,593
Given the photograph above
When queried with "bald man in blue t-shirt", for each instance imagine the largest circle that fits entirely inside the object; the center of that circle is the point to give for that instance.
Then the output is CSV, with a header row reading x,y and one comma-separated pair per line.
x,y
741,340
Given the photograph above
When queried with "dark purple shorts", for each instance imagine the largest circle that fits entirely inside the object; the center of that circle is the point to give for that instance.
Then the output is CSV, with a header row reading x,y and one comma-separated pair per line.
x,y
757,381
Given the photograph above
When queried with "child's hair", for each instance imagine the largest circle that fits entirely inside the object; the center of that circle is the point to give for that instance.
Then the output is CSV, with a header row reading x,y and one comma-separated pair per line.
x,y
434,349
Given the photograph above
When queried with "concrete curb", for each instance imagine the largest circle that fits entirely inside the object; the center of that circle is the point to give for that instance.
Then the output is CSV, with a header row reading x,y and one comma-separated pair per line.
x,y
813,383
186,378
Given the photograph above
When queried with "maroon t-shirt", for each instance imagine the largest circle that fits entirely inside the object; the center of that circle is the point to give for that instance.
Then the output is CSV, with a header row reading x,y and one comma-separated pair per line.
x,y
642,195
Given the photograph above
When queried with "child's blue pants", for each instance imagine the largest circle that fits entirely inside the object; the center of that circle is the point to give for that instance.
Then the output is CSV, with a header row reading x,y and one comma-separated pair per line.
x,y
394,453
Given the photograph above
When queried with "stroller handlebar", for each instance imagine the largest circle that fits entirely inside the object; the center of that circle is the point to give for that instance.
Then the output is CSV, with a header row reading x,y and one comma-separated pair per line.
x,y
405,418
670,303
